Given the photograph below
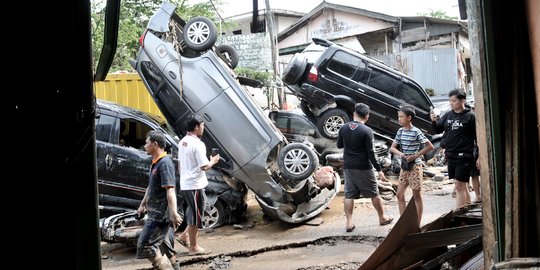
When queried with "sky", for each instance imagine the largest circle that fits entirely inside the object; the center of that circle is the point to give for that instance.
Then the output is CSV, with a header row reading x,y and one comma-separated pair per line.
x,y
390,7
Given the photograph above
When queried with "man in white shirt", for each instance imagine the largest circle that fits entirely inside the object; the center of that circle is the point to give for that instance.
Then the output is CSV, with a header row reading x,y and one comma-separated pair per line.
x,y
193,163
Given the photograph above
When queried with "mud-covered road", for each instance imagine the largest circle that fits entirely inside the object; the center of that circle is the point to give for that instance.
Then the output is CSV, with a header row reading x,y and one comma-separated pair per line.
x,y
320,244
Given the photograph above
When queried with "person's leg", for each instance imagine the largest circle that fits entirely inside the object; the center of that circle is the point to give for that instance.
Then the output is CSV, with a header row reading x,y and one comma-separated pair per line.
x,y
183,238
194,214
418,201
460,170
402,187
351,192
348,206
148,245
416,179
378,204
462,193
475,181
193,232
167,249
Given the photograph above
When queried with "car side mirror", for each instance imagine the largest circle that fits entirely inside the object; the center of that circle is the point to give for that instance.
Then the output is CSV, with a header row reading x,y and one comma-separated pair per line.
x,y
312,132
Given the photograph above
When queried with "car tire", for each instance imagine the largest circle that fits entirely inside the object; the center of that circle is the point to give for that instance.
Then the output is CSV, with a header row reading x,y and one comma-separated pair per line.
x,y
294,70
228,54
214,215
330,122
200,34
297,161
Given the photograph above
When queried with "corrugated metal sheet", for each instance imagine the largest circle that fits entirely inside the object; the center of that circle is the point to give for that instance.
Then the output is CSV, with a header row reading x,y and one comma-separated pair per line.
x,y
126,89
436,68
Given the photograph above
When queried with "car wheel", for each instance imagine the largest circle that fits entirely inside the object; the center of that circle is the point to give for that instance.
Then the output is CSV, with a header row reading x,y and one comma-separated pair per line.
x,y
297,161
305,108
200,34
294,70
330,122
228,54
214,216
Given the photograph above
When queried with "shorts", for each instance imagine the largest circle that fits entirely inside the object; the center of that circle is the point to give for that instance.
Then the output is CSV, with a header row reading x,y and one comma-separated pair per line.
x,y
460,168
475,171
155,236
195,200
414,177
360,182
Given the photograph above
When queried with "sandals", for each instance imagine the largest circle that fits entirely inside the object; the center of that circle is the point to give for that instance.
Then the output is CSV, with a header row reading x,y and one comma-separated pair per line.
x,y
388,221
351,228
202,251
183,243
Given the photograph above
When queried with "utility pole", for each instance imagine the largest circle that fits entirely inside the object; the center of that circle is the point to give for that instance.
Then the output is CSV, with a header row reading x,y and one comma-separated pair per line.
x,y
273,47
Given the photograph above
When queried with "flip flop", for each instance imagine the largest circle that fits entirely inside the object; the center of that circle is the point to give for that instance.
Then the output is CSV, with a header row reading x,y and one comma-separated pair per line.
x,y
183,242
388,221
202,251
351,228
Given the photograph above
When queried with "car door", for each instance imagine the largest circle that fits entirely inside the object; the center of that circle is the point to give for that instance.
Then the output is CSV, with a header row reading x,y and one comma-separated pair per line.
x,y
379,91
105,123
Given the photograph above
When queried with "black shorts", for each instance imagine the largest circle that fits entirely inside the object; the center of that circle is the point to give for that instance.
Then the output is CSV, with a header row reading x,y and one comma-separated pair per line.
x,y
196,201
475,171
360,182
460,168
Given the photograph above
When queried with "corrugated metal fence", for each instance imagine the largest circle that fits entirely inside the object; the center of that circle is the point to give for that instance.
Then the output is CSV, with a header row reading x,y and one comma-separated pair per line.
x,y
436,68
126,89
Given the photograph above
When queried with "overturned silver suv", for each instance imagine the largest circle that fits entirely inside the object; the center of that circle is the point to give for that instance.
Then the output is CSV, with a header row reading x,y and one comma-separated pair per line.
x,y
185,74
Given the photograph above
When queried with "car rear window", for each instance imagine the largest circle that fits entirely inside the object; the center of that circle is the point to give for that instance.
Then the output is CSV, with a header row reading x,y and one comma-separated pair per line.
x,y
347,65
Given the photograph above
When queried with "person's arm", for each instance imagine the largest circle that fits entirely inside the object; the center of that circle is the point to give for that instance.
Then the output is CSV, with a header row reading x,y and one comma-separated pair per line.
x,y
395,143
371,155
213,161
428,146
394,150
438,122
339,141
174,217
142,205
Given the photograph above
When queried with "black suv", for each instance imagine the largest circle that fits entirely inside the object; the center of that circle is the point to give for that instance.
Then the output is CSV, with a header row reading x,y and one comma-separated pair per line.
x,y
123,165
331,80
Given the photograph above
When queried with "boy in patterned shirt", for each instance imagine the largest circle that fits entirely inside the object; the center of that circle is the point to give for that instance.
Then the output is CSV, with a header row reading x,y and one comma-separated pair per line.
x,y
410,140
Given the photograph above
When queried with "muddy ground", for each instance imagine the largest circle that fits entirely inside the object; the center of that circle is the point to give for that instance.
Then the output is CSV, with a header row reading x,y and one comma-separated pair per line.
x,y
319,244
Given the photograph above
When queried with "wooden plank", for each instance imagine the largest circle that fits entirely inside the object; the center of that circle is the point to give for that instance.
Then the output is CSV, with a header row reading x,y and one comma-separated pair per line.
x,y
414,34
443,237
483,127
406,224
435,263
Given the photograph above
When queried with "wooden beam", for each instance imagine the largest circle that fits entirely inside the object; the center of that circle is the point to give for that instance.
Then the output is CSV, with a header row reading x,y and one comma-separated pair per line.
x,y
406,224
435,263
483,127
413,35
443,237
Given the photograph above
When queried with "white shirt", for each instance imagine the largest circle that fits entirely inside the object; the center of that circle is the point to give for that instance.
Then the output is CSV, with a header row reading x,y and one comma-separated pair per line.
x,y
191,157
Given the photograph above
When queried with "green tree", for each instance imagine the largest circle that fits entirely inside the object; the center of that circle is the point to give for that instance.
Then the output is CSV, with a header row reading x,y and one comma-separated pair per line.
x,y
134,15
437,14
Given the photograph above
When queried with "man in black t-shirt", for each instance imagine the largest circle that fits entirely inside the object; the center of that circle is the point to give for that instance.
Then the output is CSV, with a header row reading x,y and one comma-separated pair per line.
x,y
356,139
159,203
459,140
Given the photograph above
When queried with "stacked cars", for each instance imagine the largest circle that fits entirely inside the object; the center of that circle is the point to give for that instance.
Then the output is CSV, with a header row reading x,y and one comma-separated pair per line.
x,y
123,166
185,79
330,79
